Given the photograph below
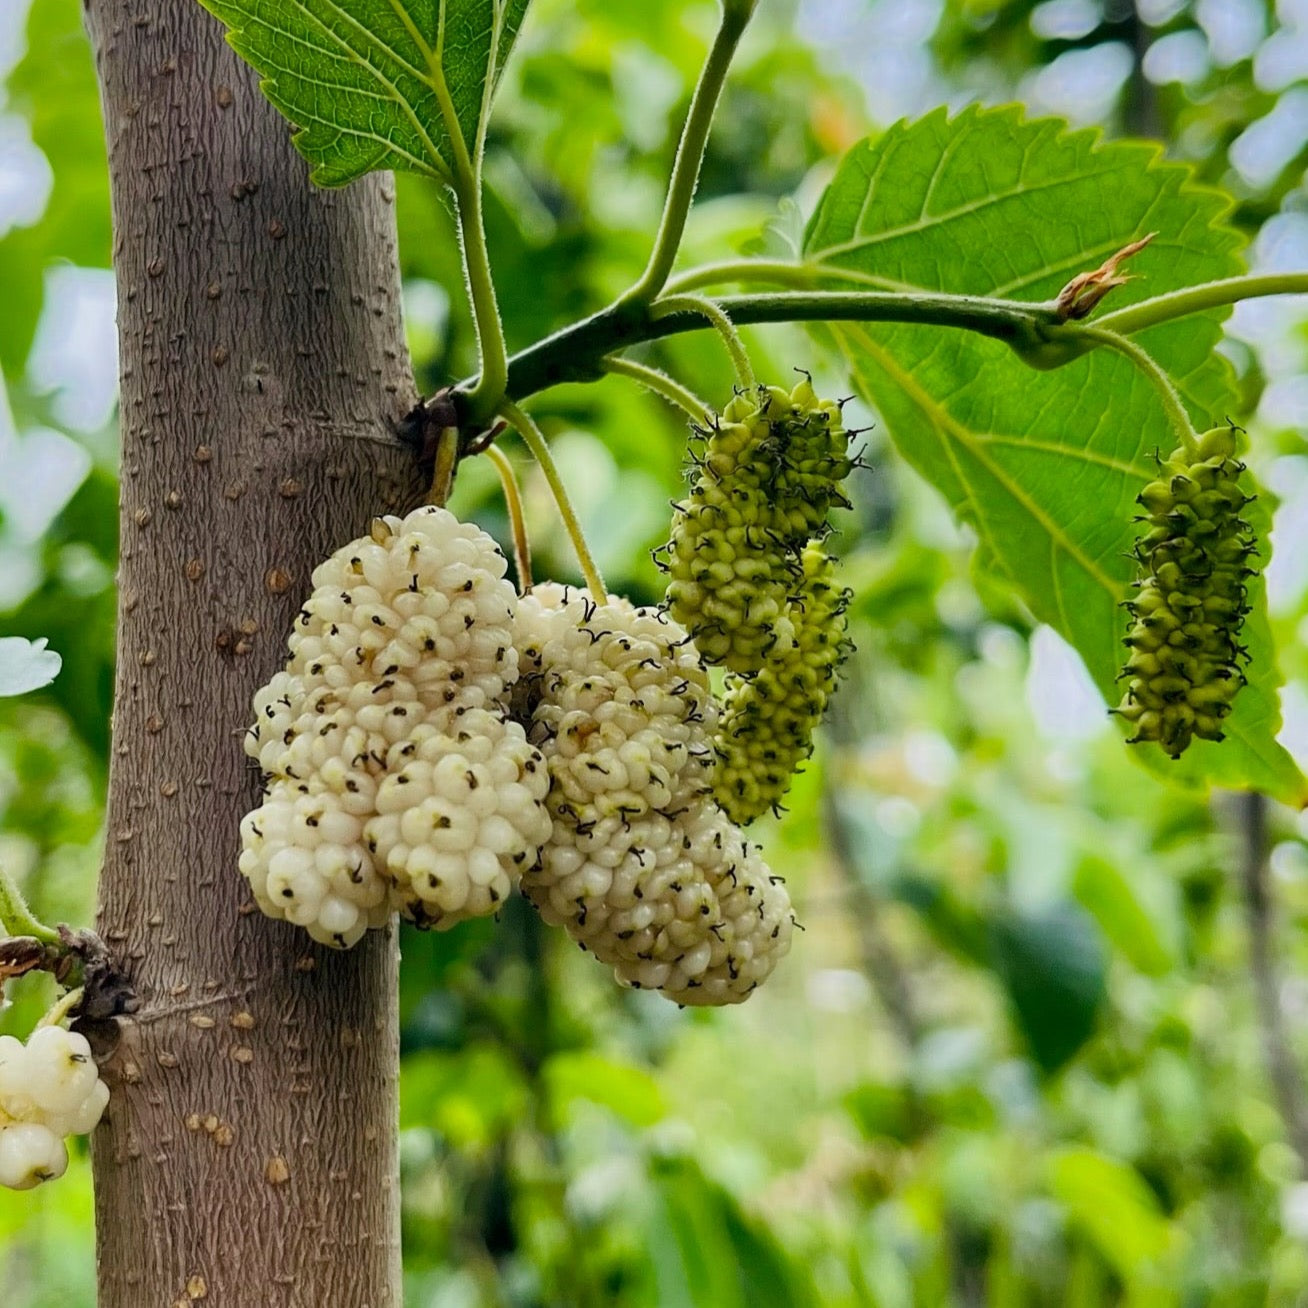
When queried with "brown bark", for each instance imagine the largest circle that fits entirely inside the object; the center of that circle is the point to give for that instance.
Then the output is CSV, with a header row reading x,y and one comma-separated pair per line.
x,y
249,1151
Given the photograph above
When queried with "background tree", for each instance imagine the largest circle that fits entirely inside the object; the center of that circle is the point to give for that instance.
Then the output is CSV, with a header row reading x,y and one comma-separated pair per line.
x,y
905,1115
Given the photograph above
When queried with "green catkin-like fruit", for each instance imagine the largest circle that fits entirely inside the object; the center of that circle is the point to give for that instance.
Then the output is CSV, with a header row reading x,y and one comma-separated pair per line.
x,y
770,473
766,728
1185,663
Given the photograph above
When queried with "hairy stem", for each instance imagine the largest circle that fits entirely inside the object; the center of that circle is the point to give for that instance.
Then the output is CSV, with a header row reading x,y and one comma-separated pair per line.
x,y
1196,299
517,518
1282,1068
720,322
1179,419
782,272
539,447
466,183
653,379
690,153
492,350
16,919
577,352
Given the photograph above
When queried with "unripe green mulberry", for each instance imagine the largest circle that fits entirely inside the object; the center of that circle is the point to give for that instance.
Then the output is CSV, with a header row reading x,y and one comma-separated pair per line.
x,y
1185,663
767,479
767,724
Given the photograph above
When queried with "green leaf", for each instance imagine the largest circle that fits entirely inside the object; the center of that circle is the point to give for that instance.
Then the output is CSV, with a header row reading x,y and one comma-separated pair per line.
x,y
1113,1207
628,1092
376,84
472,1097
707,1253
1052,965
1045,466
1105,892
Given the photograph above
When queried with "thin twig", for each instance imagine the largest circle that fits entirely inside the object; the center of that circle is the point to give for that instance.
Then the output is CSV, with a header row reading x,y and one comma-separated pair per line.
x,y
653,379
517,518
539,447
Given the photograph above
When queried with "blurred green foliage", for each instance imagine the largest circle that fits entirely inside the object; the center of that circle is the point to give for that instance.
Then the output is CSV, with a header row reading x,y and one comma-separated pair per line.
x,y
1015,1058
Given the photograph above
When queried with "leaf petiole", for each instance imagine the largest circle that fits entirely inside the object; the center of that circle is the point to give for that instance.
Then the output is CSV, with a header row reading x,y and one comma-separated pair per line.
x,y
781,272
1196,299
690,152
466,184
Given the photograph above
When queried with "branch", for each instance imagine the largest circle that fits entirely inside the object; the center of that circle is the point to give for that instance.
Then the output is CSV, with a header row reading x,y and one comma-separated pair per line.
x,y
1282,1069
1197,299
576,353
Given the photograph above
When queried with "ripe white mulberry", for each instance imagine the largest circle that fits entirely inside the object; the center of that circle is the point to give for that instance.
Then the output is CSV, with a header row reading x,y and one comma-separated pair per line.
x,y
405,640
621,705
682,904
49,1088
642,868
459,814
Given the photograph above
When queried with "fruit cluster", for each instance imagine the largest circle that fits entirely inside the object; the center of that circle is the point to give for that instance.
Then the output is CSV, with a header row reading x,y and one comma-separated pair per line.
x,y
395,778
433,742
49,1089
1186,660
643,869
749,579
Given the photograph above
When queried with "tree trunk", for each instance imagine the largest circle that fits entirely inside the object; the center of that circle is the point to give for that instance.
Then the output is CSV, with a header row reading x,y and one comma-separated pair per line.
x,y
248,1156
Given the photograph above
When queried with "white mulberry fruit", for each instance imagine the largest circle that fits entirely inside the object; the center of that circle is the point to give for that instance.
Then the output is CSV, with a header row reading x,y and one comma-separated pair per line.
x,y
406,640
641,868
621,706
681,904
49,1088
459,814
304,856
